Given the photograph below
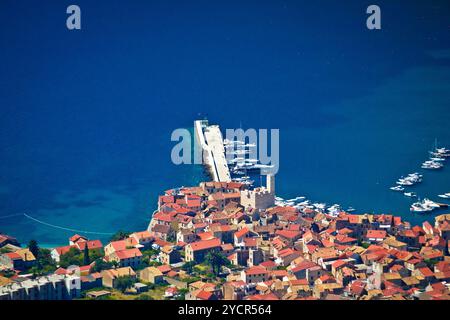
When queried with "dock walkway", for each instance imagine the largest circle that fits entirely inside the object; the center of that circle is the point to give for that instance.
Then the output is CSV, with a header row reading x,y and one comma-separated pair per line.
x,y
210,140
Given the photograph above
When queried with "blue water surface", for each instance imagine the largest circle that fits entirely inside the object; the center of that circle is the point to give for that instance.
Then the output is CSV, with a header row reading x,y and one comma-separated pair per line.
x,y
86,116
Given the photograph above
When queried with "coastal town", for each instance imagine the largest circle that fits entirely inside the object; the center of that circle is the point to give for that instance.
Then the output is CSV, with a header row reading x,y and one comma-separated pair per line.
x,y
226,241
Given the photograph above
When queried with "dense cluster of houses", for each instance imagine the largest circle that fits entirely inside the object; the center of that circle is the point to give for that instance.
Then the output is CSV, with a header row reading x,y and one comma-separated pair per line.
x,y
272,252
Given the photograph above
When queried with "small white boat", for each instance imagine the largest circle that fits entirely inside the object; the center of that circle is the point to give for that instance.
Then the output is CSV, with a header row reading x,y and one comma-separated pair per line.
x,y
424,206
233,142
397,188
430,203
432,165
320,206
419,207
404,182
410,194
444,196
442,150
350,209
437,159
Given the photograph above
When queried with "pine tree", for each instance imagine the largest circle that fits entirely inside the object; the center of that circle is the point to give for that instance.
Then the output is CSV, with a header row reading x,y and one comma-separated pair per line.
x,y
34,248
86,259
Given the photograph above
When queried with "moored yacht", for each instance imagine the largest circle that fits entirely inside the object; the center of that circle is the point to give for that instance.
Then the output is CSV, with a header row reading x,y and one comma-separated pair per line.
x,y
430,203
420,207
410,194
430,164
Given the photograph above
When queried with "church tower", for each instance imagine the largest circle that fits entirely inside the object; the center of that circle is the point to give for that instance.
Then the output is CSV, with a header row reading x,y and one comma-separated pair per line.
x,y
270,183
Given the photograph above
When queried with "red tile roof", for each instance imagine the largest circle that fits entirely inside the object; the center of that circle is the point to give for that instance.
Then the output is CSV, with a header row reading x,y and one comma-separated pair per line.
x,y
65,249
241,233
129,253
204,295
77,237
92,244
163,217
376,234
13,255
339,263
268,264
118,245
205,244
165,268
206,235
256,270
288,234
250,242
269,296
303,266
426,272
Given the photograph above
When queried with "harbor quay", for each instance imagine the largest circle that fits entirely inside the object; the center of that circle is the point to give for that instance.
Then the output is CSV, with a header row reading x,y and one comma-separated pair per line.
x,y
210,141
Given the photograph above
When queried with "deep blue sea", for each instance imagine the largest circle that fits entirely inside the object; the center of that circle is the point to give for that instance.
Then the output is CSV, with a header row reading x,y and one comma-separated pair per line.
x,y
86,116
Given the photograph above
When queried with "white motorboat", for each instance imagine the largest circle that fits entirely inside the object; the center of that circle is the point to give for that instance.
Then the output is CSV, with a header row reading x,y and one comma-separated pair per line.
x,y
397,188
233,142
320,206
410,194
404,182
419,207
430,203
432,165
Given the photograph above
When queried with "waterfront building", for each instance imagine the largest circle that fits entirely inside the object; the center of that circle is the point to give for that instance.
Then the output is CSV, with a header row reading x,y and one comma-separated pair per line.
x,y
52,287
259,198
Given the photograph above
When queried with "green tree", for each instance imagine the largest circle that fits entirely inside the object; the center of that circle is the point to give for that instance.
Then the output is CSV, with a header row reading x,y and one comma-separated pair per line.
x,y
120,235
45,262
5,250
216,260
123,283
100,265
144,296
188,266
71,257
86,259
182,294
34,248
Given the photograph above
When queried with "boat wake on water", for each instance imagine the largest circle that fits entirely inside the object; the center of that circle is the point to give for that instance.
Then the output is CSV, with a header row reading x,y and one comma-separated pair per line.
x,y
12,216
65,228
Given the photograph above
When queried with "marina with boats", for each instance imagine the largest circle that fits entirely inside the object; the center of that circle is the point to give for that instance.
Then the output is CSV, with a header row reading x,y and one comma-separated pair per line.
x,y
437,159
227,160
236,160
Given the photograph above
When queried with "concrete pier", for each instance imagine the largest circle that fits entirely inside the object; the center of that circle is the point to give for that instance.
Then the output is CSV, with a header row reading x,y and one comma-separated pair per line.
x,y
210,140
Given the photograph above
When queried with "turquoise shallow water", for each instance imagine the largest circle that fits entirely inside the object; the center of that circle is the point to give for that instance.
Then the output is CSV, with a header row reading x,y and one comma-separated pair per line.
x,y
87,116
